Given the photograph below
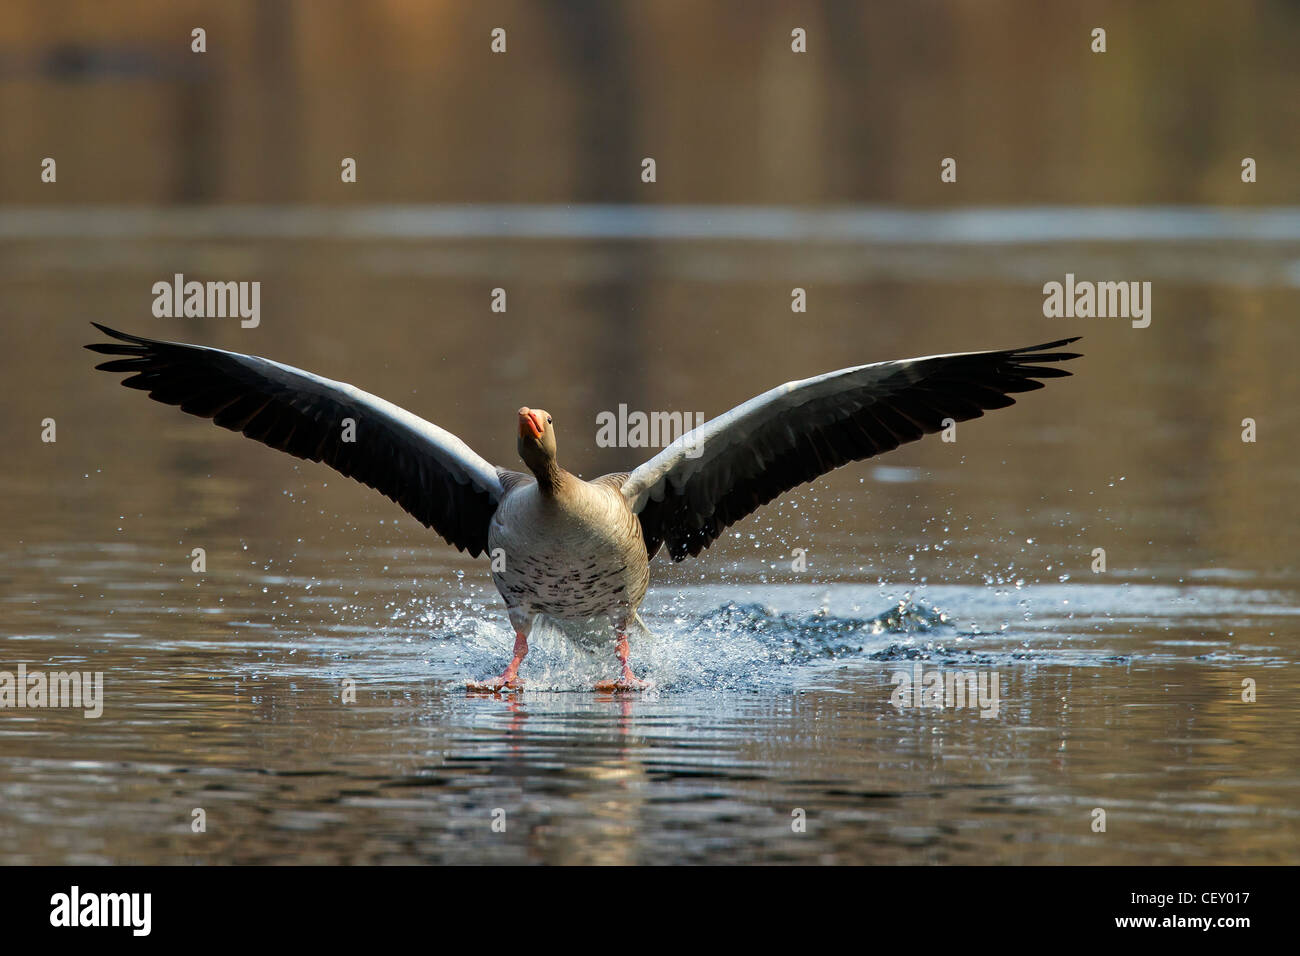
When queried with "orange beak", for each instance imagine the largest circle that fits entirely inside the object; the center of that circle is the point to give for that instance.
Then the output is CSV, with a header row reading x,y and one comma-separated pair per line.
x,y
530,423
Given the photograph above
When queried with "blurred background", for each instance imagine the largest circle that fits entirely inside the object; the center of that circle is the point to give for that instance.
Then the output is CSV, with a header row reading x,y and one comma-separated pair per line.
x,y
711,90
775,170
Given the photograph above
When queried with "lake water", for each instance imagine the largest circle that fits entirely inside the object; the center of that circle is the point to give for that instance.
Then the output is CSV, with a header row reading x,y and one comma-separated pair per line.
x,y
772,736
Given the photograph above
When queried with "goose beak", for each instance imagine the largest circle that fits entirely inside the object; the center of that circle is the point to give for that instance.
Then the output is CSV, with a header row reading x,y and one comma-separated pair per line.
x,y
530,423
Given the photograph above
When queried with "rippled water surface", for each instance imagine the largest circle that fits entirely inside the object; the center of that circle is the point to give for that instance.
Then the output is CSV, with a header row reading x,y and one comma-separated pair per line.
x,y
771,735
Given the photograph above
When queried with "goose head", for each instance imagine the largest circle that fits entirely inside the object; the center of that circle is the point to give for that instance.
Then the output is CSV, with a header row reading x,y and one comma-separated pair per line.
x,y
537,440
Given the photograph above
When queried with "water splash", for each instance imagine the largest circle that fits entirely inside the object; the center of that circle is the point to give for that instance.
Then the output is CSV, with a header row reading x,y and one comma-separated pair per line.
x,y
733,647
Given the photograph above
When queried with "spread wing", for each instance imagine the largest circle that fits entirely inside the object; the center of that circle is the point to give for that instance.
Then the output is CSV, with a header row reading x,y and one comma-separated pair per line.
x,y
430,472
730,466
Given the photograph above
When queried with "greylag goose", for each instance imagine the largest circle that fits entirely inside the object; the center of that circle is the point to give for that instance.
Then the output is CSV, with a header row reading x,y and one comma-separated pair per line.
x,y
563,547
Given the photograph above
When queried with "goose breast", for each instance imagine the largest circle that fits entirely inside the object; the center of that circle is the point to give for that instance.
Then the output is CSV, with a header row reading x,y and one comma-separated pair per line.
x,y
574,555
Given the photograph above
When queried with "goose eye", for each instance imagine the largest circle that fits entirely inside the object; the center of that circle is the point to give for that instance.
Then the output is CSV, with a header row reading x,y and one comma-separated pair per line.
x,y
548,419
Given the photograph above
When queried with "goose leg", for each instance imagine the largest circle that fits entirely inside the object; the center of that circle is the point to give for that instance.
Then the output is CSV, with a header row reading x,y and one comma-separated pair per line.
x,y
509,678
628,681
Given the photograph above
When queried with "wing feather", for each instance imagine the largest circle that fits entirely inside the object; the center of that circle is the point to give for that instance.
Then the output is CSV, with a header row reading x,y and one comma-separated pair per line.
x,y
728,467
427,470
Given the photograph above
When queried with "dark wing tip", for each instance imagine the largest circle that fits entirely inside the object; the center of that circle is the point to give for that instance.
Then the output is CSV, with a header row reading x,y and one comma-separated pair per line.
x,y
1043,353
1027,359
1051,345
123,336
123,365
112,348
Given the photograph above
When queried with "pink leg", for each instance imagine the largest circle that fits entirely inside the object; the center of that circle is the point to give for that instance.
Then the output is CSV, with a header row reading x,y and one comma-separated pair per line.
x,y
628,681
509,678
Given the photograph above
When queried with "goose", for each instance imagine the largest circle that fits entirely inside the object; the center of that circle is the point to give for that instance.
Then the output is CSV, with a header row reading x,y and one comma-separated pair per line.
x,y
562,547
